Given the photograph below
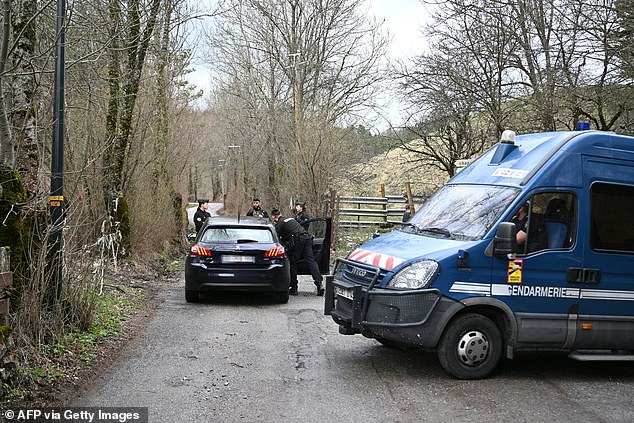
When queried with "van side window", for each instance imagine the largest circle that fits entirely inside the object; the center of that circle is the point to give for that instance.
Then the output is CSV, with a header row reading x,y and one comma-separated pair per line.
x,y
550,224
611,208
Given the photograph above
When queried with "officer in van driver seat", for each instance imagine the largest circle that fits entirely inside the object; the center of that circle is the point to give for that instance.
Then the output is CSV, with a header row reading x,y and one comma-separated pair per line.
x,y
298,244
521,219
531,235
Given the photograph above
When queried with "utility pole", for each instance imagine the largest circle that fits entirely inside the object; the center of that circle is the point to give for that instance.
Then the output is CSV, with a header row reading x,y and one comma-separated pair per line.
x,y
233,157
56,242
297,114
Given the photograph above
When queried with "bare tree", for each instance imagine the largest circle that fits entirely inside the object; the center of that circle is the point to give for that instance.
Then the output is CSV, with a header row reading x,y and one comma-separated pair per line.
x,y
7,155
444,124
304,65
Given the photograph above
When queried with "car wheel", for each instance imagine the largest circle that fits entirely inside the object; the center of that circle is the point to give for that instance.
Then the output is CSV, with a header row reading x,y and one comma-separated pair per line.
x,y
281,297
471,347
191,296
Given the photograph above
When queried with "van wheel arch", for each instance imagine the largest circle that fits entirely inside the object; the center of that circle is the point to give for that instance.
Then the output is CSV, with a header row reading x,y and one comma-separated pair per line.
x,y
498,312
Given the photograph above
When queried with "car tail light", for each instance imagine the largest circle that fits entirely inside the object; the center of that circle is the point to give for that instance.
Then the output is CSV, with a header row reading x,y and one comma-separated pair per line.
x,y
275,252
197,250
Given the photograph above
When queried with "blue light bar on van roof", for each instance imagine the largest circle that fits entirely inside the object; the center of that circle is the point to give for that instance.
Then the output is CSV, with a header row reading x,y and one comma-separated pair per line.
x,y
582,126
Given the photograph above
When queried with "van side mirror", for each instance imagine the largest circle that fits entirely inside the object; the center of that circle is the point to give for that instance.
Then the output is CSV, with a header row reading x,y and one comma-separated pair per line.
x,y
505,241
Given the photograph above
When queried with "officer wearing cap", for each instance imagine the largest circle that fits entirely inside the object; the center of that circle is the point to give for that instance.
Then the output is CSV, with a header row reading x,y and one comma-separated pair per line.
x,y
298,245
201,213
301,215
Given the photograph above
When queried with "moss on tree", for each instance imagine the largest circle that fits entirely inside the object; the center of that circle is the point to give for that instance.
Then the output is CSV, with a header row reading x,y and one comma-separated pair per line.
x,y
5,332
15,226
123,217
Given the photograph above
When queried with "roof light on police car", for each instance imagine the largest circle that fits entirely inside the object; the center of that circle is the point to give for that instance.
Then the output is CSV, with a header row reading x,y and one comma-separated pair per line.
x,y
508,137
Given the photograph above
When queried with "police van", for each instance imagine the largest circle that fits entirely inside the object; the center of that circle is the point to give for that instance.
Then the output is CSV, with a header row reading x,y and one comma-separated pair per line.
x,y
530,247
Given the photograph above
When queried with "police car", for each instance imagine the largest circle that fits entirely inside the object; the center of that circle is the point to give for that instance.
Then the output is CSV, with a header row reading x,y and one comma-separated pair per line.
x,y
244,254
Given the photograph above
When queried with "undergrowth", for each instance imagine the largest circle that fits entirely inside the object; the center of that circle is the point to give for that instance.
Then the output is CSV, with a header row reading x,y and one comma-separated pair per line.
x,y
61,360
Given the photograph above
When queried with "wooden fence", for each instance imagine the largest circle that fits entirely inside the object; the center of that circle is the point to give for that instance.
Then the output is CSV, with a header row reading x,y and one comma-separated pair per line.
x,y
368,212
364,212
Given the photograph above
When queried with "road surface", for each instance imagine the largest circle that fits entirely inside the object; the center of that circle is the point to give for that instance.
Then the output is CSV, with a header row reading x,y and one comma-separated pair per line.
x,y
237,358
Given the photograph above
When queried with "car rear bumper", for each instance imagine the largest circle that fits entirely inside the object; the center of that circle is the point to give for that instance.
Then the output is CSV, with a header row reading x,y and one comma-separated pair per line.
x,y
274,278
414,317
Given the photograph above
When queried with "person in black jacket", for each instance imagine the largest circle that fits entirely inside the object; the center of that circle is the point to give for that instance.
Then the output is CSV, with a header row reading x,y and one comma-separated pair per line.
x,y
301,215
256,209
201,213
298,244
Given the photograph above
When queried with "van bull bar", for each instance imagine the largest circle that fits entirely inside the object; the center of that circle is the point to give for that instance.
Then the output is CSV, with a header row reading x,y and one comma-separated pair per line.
x,y
376,312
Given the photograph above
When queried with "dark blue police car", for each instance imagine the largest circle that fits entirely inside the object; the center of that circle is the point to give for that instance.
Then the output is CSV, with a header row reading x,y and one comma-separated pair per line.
x,y
244,254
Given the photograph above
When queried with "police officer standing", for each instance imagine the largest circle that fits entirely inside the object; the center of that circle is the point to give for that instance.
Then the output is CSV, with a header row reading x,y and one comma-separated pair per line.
x,y
298,245
300,214
201,213
256,210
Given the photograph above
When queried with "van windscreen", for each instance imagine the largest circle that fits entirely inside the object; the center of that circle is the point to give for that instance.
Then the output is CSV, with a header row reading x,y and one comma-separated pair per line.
x,y
464,212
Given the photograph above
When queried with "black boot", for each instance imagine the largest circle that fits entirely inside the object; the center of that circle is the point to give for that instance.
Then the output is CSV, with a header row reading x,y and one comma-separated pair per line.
x,y
292,290
320,288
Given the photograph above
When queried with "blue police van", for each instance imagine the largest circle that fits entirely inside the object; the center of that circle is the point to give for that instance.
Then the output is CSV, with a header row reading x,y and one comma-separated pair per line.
x,y
530,247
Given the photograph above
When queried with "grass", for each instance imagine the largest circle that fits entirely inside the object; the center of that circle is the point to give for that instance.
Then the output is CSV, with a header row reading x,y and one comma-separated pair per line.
x,y
59,361
111,312
174,266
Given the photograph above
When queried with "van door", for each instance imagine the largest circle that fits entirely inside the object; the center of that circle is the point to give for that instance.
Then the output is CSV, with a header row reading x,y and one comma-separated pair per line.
x,y
321,230
534,283
606,281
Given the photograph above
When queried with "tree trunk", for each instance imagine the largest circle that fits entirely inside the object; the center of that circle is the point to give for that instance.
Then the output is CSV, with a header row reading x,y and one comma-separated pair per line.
x,y
7,148
23,86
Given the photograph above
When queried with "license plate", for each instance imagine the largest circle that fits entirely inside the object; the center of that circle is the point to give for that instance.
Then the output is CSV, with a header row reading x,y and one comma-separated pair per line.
x,y
238,259
343,292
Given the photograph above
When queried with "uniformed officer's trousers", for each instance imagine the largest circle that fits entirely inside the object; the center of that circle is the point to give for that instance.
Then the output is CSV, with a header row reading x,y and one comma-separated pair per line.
x,y
303,249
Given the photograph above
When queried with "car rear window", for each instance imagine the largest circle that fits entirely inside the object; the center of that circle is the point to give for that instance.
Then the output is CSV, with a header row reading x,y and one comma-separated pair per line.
x,y
236,235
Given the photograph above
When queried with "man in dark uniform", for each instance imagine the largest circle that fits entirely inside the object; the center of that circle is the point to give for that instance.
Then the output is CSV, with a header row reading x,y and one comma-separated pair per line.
x,y
301,215
201,213
256,210
298,244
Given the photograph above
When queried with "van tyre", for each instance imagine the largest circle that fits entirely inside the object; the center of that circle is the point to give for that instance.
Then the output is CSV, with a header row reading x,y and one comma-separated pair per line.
x,y
471,347
191,296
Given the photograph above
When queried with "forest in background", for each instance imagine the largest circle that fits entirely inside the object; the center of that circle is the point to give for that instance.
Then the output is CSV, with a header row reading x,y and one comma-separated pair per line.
x,y
293,83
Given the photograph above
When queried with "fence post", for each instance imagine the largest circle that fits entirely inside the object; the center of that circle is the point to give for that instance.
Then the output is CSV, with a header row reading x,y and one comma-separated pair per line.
x,y
410,198
334,215
384,207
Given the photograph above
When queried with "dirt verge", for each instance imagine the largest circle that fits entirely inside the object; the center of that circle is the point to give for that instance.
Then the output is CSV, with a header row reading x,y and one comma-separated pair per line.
x,y
78,372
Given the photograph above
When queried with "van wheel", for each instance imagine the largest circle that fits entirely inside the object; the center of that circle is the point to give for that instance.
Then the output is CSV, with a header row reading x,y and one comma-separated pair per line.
x,y
471,347
191,296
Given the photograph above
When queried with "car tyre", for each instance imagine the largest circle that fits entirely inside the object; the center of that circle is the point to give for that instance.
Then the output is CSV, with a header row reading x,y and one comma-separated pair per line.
x,y
191,296
281,297
470,347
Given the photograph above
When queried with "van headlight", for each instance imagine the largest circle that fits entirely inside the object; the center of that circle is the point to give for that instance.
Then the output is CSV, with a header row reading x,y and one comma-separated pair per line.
x,y
415,276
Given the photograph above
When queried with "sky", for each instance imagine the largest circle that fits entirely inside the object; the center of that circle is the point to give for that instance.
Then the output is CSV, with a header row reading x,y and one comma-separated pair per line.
x,y
403,20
